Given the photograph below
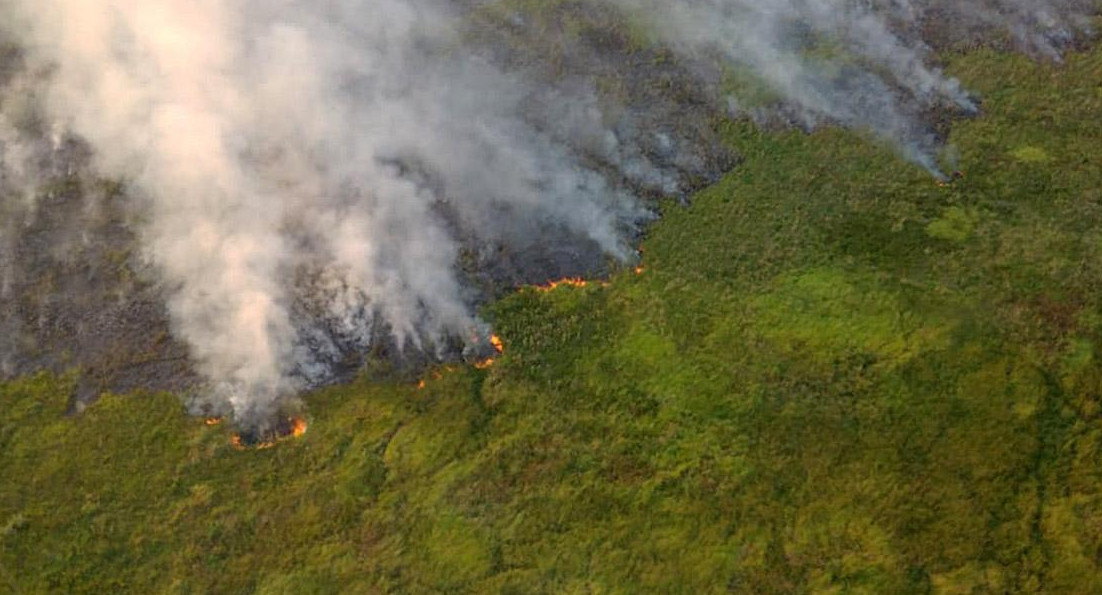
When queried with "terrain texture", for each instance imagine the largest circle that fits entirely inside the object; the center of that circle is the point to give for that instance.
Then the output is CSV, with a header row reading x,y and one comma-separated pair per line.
x,y
829,374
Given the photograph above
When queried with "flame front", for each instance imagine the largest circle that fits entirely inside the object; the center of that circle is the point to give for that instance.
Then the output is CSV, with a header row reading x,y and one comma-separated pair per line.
x,y
298,428
569,281
212,421
499,347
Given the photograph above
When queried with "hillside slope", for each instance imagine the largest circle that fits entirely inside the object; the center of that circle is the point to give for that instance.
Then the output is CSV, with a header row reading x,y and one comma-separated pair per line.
x,y
830,375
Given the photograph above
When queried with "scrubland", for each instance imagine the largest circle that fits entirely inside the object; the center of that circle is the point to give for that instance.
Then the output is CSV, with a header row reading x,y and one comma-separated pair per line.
x,y
830,375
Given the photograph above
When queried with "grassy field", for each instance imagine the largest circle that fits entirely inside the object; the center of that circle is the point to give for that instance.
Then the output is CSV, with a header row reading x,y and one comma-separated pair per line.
x,y
832,376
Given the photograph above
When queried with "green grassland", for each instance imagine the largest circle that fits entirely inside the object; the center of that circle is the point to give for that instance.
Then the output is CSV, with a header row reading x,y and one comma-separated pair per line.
x,y
833,376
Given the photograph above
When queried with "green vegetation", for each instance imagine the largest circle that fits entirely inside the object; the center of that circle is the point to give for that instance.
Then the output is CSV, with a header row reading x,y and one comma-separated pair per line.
x,y
833,376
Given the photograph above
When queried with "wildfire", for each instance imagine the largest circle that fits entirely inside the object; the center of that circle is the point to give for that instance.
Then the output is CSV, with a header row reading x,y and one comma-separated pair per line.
x,y
297,427
499,347
421,384
569,282
212,421
639,270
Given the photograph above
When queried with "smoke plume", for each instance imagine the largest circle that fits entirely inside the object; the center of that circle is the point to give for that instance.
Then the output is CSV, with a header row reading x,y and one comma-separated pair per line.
x,y
265,138
304,173
860,64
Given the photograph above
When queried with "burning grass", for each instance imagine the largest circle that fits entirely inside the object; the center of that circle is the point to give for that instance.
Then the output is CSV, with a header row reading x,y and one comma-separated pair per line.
x,y
286,428
485,363
499,348
568,282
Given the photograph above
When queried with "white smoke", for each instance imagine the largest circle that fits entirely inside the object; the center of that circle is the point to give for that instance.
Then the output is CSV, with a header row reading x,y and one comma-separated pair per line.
x,y
270,135
852,62
25,160
352,142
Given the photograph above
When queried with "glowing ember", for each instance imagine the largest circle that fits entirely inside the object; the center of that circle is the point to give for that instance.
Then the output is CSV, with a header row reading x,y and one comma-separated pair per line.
x,y
496,342
212,421
569,282
639,270
421,384
486,363
295,428
572,282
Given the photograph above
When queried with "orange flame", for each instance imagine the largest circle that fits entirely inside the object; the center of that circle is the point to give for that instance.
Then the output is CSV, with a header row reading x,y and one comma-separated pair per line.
x,y
421,384
499,347
639,270
486,363
212,421
569,282
298,428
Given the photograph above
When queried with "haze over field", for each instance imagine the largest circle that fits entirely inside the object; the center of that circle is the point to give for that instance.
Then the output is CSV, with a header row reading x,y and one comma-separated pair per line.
x,y
304,175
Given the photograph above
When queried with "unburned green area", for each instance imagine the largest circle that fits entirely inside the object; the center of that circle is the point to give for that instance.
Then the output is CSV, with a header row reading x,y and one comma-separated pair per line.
x,y
831,376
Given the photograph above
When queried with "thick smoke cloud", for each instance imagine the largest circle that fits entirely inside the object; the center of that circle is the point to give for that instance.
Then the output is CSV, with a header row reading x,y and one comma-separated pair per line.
x,y
26,160
297,161
344,137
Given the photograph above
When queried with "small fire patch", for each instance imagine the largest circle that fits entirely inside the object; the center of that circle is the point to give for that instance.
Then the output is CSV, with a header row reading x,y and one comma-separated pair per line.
x,y
285,428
